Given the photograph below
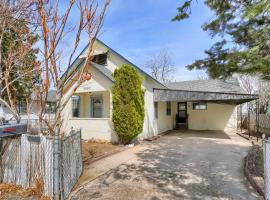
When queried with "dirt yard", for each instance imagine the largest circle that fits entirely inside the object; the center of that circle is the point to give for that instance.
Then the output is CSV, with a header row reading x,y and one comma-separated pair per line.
x,y
94,148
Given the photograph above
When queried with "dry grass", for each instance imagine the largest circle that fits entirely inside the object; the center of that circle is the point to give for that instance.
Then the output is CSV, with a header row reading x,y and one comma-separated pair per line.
x,y
7,189
95,148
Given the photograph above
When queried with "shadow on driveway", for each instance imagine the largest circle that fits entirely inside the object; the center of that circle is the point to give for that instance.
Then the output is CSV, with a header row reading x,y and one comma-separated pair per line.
x,y
180,165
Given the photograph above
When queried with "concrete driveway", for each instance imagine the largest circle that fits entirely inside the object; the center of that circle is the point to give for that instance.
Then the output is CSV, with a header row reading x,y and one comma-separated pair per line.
x,y
180,165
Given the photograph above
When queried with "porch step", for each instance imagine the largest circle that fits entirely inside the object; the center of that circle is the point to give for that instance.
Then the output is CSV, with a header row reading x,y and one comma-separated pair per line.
x,y
181,126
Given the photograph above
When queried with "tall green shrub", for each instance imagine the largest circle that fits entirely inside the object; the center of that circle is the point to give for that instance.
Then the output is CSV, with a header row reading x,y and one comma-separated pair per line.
x,y
128,103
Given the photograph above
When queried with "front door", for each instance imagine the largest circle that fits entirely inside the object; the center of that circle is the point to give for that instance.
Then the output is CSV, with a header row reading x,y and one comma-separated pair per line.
x,y
182,112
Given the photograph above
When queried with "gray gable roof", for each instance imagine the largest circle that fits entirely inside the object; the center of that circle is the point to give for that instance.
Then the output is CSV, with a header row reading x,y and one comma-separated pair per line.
x,y
207,86
78,62
104,70
50,98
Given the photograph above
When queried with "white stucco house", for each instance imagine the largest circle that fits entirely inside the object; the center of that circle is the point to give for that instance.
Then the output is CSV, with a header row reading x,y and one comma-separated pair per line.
x,y
198,105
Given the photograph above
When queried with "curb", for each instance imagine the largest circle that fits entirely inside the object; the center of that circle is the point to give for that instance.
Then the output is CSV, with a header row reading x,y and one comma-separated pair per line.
x,y
243,136
110,153
250,170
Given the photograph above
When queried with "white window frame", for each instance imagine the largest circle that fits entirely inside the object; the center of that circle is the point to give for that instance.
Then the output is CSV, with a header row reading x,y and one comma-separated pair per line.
x,y
200,106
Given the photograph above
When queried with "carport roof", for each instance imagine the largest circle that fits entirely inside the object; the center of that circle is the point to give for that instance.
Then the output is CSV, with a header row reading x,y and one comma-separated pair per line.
x,y
204,90
228,86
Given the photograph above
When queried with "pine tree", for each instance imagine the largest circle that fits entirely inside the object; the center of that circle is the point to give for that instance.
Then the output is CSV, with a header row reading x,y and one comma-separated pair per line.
x,y
244,28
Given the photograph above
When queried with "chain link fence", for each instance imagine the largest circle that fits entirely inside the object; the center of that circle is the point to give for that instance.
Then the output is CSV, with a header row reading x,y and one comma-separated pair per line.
x,y
71,162
266,153
27,159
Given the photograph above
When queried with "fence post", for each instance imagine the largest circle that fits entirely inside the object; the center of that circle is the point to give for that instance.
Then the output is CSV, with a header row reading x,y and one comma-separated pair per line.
x,y
1,167
56,166
248,123
257,119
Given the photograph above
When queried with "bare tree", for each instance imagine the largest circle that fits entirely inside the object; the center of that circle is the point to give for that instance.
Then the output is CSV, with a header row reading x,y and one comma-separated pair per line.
x,y
161,66
202,76
248,83
16,53
54,28
255,85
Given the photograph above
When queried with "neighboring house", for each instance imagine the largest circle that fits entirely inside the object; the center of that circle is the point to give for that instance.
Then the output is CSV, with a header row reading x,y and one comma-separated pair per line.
x,y
34,108
199,105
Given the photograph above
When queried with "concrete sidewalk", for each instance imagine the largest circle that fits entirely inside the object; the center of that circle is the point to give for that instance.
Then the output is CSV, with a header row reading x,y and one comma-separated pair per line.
x,y
100,167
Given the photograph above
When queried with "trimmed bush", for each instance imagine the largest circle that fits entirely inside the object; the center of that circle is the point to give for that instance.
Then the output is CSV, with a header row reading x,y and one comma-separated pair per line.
x,y
128,103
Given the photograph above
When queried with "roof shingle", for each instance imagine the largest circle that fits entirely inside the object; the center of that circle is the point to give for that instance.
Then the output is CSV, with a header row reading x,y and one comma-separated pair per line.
x,y
207,86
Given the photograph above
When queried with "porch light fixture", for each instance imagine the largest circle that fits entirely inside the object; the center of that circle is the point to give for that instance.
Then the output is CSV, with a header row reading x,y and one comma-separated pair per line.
x,y
88,76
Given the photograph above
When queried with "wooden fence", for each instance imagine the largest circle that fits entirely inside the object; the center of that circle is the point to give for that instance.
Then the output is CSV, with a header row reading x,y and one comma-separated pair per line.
x,y
29,158
259,123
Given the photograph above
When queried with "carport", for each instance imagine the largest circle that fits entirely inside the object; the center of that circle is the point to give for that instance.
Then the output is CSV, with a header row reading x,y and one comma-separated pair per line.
x,y
217,97
203,110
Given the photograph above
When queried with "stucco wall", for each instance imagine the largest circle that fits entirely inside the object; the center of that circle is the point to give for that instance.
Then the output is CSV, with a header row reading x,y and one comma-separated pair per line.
x,y
165,122
94,128
153,126
216,117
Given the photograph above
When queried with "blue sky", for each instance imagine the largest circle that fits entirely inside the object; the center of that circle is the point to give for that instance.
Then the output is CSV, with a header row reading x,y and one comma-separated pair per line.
x,y
138,29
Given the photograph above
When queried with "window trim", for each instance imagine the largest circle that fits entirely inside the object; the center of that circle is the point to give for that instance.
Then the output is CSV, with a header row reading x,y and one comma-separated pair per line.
x,y
199,104
168,108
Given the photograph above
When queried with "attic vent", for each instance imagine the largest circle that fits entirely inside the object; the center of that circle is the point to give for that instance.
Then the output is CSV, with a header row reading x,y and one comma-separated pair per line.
x,y
100,59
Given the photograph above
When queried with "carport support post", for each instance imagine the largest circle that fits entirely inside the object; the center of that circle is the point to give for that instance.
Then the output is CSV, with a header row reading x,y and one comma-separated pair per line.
x,y
257,119
248,123
241,118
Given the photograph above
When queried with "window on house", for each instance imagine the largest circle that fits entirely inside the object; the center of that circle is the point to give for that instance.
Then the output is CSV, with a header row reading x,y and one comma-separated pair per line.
x,y
22,107
50,107
156,109
97,107
199,106
75,106
100,59
168,108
